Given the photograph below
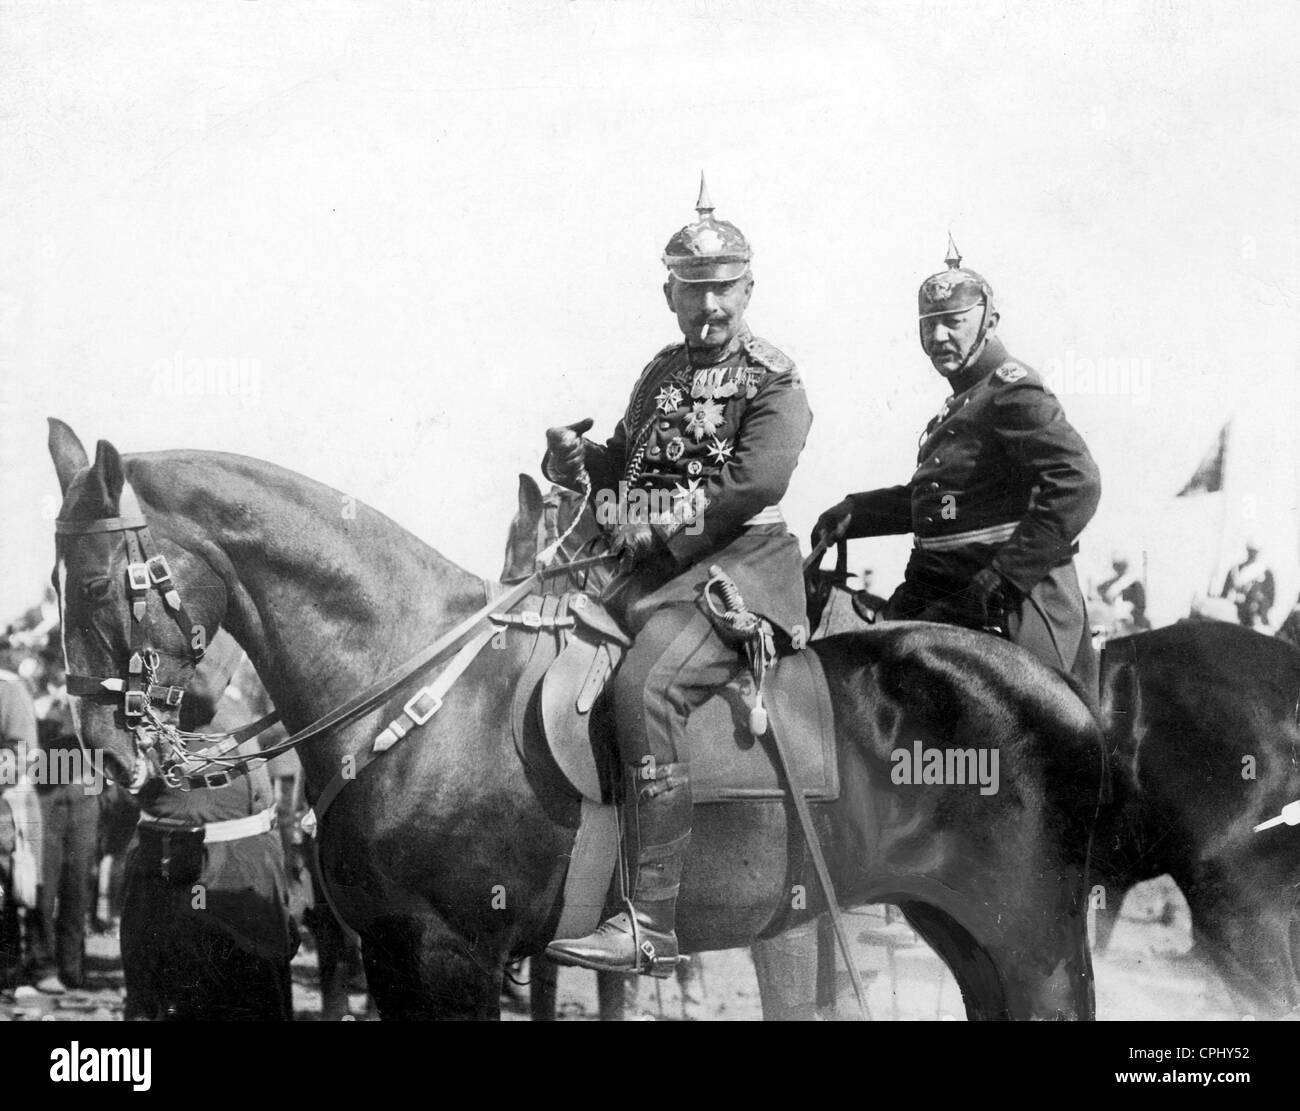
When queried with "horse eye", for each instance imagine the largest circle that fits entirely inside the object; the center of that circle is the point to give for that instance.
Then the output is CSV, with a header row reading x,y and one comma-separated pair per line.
x,y
97,590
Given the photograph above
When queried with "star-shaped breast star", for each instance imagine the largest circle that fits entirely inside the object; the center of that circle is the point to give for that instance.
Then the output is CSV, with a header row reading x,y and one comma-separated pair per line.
x,y
669,399
705,419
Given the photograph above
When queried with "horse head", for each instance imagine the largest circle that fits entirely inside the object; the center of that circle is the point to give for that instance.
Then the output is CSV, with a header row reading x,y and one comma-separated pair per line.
x,y
131,644
562,517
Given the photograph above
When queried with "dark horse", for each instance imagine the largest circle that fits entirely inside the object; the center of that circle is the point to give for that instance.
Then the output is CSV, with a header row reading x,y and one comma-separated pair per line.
x,y
1203,731
1202,724
447,856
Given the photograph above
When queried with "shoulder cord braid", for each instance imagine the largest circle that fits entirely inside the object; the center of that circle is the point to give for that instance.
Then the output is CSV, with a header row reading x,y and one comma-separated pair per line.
x,y
639,442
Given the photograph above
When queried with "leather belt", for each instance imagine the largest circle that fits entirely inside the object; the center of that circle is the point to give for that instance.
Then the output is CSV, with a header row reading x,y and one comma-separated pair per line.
x,y
236,829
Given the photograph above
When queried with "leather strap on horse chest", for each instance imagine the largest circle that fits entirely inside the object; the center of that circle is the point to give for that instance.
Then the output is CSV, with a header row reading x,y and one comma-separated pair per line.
x,y
551,616
418,710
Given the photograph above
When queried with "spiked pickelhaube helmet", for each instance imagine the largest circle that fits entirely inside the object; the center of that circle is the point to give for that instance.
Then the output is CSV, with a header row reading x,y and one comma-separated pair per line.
x,y
956,289
708,250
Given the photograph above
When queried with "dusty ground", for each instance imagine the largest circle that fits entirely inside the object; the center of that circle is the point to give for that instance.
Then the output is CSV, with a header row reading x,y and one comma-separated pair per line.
x,y
1146,973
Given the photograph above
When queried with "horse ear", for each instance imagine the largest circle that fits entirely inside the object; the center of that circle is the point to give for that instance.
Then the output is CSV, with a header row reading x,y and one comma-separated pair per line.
x,y
530,499
108,467
66,451
521,544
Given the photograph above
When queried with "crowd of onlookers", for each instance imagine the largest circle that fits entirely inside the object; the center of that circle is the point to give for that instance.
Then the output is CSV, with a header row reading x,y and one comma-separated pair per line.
x,y
59,821
1117,604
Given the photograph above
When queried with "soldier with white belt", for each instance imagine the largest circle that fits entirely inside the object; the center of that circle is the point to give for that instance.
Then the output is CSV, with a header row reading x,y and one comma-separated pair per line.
x,y
1003,487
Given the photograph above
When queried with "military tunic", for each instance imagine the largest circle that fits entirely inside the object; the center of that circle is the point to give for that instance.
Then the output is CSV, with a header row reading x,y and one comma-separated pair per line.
x,y
721,441
1002,481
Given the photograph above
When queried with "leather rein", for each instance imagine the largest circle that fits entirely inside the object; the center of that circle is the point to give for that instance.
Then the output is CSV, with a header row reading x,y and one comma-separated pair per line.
x,y
179,767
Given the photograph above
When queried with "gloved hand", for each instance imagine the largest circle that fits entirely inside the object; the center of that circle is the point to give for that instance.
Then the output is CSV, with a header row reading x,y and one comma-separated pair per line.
x,y
834,519
564,446
989,594
634,542
982,604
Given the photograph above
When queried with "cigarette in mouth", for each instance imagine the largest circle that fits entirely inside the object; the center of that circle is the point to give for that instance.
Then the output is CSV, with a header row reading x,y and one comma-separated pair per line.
x,y
704,332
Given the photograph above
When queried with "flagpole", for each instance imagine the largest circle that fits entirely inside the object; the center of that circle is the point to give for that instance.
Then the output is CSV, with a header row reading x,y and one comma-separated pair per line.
x,y
1216,575
1146,581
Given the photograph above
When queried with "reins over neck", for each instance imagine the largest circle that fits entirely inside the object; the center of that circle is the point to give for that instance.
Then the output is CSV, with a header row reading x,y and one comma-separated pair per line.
x,y
148,569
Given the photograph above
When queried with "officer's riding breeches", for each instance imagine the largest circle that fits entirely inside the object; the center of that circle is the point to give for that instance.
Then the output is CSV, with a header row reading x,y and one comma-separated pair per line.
x,y
676,662
1052,623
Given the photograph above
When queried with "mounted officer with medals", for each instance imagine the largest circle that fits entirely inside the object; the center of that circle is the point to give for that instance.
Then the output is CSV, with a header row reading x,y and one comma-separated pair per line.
x,y
691,478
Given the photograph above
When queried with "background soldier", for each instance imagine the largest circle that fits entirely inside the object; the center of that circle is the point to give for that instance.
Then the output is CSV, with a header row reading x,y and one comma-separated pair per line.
x,y
17,740
1003,487
70,817
1250,587
719,421
1126,596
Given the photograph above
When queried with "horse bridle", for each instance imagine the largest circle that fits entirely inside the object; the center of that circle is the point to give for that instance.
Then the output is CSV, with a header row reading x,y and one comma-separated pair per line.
x,y
147,570
181,768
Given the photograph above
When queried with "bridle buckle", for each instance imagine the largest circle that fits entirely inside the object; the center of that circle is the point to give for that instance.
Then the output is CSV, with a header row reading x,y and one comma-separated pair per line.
x,y
160,572
137,576
134,703
433,705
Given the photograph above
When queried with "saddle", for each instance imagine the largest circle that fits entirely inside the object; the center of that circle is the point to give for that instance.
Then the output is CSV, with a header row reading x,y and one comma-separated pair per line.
x,y
563,715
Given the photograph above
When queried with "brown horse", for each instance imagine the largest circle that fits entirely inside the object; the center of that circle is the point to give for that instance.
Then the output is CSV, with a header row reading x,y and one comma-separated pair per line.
x,y
447,855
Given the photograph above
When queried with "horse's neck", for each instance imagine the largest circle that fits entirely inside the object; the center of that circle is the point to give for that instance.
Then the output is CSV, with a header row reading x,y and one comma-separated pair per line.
x,y
325,596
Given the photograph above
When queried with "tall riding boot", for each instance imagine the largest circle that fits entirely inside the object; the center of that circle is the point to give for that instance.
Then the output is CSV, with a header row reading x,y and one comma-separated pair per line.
x,y
644,941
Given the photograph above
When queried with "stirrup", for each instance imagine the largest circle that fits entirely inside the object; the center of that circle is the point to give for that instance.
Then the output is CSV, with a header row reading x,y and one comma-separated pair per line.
x,y
649,964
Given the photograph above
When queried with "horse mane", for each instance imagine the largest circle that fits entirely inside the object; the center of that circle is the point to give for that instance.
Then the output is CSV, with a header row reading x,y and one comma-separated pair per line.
x,y
251,497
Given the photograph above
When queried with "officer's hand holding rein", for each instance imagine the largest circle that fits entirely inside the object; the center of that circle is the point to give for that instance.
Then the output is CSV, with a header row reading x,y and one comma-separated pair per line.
x,y
834,523
634,542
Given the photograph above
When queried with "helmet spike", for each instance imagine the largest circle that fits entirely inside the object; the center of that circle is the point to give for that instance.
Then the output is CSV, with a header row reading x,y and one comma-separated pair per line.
x,y
708,250
704,204
954,256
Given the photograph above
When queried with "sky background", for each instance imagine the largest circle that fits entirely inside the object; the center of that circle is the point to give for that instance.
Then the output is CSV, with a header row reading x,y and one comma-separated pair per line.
x,y
408,238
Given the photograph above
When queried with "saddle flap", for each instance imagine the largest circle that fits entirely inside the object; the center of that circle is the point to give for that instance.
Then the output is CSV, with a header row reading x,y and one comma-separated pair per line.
x,y
728,764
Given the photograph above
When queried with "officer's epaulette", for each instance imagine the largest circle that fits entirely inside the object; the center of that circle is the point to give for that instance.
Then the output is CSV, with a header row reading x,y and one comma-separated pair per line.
x,y
1012,371
766,355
